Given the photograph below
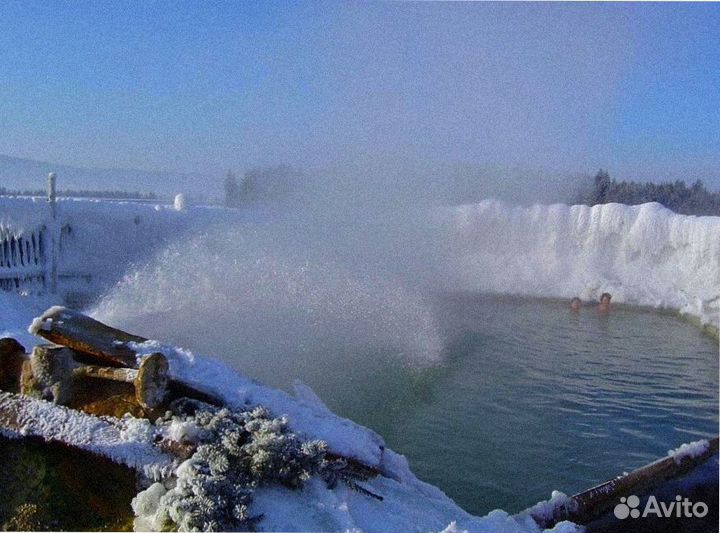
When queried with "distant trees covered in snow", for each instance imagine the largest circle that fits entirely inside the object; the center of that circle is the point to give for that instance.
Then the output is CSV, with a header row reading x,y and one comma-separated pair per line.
x,y
261,185
693,200
72,193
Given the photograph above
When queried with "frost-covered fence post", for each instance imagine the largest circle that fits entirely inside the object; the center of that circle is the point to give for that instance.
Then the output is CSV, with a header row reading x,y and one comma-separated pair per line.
x,y
52,178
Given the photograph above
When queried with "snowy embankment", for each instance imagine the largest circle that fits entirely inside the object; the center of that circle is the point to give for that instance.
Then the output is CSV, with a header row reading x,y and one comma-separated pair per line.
x,y
643,255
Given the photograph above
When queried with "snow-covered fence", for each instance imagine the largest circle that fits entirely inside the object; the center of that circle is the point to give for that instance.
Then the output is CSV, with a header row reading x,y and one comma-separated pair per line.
x,y
81,246
29,252
22,258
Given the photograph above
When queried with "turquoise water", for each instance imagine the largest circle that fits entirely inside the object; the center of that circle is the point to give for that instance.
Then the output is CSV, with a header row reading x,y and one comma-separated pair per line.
x,y
529,396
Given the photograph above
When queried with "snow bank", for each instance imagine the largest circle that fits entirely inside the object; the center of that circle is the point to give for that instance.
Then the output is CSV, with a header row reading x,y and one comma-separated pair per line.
x,y
316,508
644,255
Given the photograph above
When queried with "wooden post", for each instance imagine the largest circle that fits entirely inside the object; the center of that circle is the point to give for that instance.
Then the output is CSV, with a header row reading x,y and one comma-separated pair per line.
x,y
52,178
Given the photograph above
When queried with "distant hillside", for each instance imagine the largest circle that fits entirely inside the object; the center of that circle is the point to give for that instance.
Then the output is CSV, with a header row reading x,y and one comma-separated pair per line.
x,y
17,173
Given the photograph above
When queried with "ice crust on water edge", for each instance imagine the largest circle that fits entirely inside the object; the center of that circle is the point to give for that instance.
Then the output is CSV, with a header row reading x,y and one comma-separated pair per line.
x,y
643,254
546,509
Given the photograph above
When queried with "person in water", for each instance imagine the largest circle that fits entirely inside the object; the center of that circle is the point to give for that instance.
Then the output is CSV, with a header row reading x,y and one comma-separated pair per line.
x,y
604,306
575,304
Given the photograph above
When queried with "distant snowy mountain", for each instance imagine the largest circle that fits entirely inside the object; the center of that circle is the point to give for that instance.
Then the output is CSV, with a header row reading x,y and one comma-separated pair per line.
x,y
18,173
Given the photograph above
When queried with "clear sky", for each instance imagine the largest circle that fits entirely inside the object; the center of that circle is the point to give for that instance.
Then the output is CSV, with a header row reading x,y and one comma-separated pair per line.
x,y
203,86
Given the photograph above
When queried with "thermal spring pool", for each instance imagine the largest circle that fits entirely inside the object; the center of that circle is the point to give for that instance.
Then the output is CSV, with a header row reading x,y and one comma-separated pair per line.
x,y
523,398
528,397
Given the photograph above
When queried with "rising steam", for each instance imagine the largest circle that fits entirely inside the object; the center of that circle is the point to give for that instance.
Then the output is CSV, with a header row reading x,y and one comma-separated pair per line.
x,y
263,295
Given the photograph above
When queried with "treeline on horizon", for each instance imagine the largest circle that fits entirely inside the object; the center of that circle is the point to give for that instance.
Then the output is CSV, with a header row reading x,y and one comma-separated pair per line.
x,y
676,196
72,193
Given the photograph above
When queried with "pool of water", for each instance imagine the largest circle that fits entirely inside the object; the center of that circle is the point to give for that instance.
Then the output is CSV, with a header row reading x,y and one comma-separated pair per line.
x,y
529,397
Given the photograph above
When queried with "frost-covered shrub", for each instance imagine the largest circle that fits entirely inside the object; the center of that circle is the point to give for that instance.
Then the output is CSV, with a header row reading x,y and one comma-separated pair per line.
x,y
236,452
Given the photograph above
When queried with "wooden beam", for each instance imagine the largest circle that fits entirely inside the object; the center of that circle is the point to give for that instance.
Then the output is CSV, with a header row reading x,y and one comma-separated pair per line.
x,y
592,503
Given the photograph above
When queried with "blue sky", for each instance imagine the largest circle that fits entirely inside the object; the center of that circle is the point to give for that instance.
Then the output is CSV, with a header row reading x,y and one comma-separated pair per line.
x,y
203,86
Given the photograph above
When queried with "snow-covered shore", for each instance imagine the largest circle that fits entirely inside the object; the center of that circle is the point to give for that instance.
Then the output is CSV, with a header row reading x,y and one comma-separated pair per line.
x,y
644,255
408,504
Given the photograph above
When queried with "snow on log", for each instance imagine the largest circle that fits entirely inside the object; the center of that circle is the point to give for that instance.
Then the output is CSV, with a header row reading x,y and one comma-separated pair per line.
x,y
207,380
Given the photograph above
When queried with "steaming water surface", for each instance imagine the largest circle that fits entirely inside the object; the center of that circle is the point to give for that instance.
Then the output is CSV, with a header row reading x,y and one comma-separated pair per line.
x,y
498,401
525,398
531,397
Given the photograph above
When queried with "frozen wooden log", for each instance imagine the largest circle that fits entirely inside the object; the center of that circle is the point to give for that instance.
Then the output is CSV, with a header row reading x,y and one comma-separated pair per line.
x,y
150,379
96,343
52,372
56,375
101,343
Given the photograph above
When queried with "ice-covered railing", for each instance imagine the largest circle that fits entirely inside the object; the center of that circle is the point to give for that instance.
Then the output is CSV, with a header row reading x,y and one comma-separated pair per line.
x,y
24,240
31,240
22,257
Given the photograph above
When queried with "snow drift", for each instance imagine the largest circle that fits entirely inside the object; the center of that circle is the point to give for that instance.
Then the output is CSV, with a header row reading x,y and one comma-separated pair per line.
x,y
643,255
